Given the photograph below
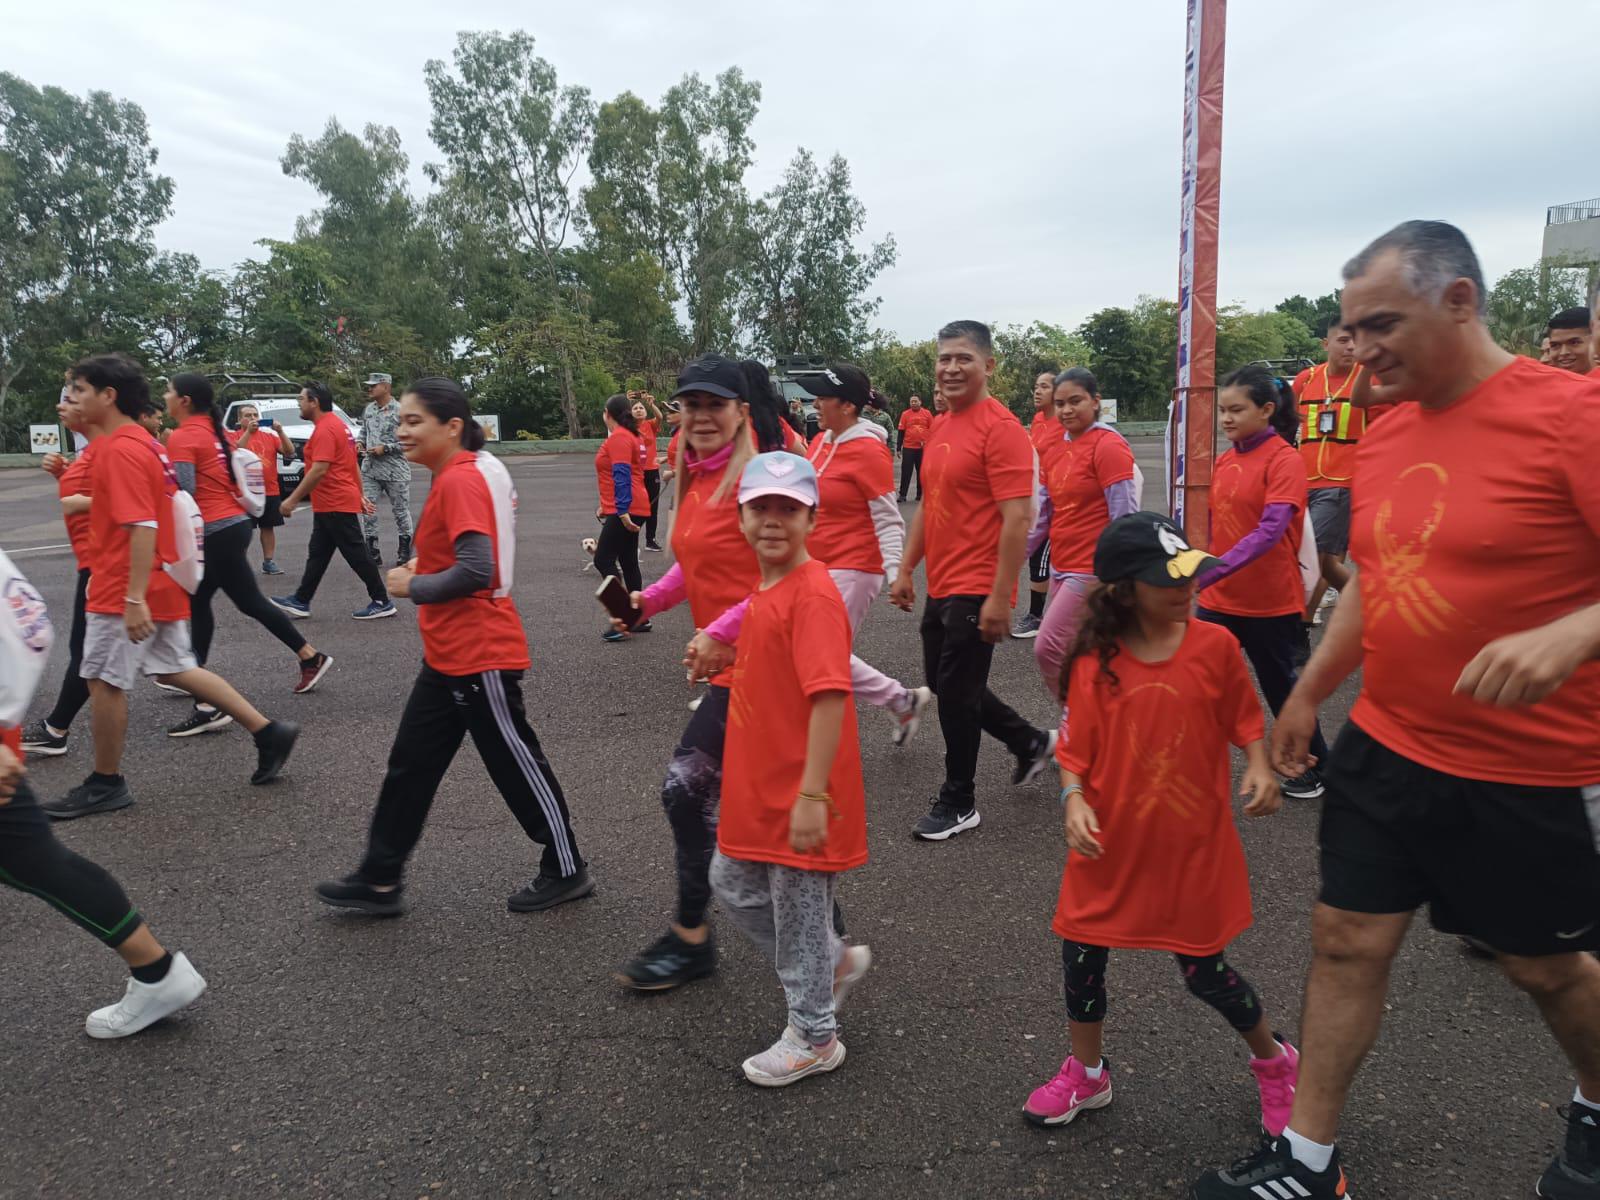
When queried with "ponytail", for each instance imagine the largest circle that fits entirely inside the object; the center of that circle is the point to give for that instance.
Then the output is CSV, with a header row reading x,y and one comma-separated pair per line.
x,y
620,409
196,388
445,401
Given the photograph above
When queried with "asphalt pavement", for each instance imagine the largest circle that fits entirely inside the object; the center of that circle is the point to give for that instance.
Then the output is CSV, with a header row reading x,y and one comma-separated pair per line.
x,y
463,1051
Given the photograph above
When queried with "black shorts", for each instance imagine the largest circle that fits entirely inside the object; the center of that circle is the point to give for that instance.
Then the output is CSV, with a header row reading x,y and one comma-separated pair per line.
x,y
1513,866
270,517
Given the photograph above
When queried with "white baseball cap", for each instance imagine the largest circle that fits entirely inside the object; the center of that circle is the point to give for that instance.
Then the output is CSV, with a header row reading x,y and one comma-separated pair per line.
x,y
779,474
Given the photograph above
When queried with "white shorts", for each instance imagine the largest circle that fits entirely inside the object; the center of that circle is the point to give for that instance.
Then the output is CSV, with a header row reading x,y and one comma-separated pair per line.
x,y
110,657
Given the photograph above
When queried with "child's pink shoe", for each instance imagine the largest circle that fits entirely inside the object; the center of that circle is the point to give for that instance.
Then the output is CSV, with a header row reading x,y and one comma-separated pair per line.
x,y
1276,1079
1068,1094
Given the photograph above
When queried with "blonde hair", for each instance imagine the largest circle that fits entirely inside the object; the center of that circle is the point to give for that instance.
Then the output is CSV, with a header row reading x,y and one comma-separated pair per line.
x,y
742,454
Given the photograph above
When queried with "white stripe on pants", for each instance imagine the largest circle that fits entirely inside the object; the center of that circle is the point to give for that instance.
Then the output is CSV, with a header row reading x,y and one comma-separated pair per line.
x,y
858,589
495,689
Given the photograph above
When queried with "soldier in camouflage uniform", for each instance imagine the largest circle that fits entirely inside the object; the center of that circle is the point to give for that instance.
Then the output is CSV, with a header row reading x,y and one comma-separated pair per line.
x,y
384,469
877,411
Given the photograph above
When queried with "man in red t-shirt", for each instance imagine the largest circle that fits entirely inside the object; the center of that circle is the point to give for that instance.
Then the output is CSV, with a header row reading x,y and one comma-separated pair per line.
x,y
333,481
1468,776
136,617
972,528
1570,337
914,425
269,445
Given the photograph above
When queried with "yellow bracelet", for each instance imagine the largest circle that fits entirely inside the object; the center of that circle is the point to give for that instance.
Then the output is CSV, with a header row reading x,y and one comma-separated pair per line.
x,y
821,798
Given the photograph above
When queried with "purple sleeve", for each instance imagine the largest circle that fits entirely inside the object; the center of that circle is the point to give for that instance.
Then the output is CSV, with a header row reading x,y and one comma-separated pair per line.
x,y
1274,524
725,629
1041,523
1120,500
666,592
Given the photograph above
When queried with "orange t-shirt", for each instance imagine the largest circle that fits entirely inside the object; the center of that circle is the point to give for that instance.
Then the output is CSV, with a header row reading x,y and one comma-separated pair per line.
x,y
974,459
1153,757
915,423
794,645
1595,374
672,450
622,448
480,632
194,441
339,491
264,446
1040,432
652,455
850,475
133,485
77,481
1075,475
1329,434
1242,485
719,567
1470,523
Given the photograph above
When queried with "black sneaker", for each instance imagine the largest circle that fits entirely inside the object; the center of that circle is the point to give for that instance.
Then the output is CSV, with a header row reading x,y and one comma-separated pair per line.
x,y
1574,1174
653,547
944,822
668,962
1305,787
273,745
201,720
643,626
547,891
354,892
1271,1171
90,797
1029,765
39,741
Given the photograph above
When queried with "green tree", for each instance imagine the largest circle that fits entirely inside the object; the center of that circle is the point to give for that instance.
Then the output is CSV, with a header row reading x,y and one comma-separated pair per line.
x,y
1023,353
1245,337
900,370
1316,314
180,311
1522,301
806,284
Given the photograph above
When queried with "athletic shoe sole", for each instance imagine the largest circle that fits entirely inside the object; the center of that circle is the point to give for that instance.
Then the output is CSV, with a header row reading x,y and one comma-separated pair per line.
x,y
1066,1118
1306,795
666,985
823,1065
971,821
1024,635
170,689
905,730
299,614
371,907
586,888
194,986
300,689
122,801
377,616
1039,763
209,727
50,751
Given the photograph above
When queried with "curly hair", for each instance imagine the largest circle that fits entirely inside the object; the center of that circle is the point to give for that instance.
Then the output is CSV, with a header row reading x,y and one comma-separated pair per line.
x,y
1108,614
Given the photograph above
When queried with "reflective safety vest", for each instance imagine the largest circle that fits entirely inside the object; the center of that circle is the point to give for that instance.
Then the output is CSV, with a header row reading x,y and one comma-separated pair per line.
x,y
1329,420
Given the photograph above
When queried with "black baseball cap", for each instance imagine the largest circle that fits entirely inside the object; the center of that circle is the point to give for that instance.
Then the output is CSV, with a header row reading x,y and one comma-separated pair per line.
x,y
711,373
1148,548
842,380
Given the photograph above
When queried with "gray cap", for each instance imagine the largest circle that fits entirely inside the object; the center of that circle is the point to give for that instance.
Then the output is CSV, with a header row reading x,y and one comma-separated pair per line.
x,y
378,377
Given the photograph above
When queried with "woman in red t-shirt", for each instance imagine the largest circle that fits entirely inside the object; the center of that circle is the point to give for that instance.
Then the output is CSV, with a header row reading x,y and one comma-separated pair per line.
x,y
474,654
1258,504
1155,861
619,475
648,418
199,451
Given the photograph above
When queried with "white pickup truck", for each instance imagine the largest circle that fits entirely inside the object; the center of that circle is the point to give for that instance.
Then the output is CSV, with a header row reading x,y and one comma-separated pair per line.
x,y
284,411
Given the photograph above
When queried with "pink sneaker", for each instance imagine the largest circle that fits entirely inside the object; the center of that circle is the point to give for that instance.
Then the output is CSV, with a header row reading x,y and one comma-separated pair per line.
x,y
1276,1077
1068,1094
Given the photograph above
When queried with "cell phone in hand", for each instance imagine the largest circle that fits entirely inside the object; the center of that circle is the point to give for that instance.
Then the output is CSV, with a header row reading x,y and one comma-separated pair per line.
x,y
614,597
265,423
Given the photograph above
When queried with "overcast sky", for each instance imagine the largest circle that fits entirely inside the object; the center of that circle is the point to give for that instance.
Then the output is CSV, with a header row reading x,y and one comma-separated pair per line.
x,y
1024,155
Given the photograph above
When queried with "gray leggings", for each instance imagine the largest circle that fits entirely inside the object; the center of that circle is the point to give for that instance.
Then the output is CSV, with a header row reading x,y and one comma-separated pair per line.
x,y
787,912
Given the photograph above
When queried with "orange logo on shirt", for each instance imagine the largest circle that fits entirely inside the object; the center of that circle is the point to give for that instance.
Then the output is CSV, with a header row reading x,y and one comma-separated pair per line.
x,y
1225,491
1163,785
1402,549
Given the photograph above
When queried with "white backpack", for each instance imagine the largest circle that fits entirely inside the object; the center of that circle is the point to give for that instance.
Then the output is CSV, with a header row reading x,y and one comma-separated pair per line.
x,y
249,480
503,494
25,640
1310,567
189,530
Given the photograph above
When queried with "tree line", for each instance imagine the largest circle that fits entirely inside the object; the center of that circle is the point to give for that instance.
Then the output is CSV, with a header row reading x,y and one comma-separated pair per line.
x,y
566,249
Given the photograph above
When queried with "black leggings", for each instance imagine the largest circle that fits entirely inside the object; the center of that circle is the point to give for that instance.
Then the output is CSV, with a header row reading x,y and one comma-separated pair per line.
x,y
228,571
1271,644
652,488
32,861
1039,564
1210,978
617,553
74,688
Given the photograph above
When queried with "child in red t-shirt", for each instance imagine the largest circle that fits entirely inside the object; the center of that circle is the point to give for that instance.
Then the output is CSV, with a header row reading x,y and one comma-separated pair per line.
x,y
1156,862
793,812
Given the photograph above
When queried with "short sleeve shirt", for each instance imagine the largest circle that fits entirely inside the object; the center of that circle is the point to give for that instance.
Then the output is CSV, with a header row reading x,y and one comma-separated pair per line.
x,y
850,476
194,441
1242,485
1075,474
652,454
719,567
338,491
77,480
974,459
133,484
915,423
264,446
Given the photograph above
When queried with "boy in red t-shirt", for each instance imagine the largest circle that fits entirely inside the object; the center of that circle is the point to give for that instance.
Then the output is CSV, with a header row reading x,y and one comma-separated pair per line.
x,y
793,813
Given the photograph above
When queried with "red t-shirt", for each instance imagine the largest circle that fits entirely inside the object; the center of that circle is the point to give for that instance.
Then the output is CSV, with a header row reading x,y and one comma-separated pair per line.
x,y
1075,475
194,441
915,423
1242,485
1470,523
794,645
672,450
1153,757
133,485
622,448
1040,432
1330,426
719,567
850,475
652,456
480,632
339,491
76,481
974,459
264,446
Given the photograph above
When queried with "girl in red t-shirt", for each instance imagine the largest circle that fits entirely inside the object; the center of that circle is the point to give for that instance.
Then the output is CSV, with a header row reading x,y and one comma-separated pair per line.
x,y
1155,861
474,654
624,502
1258,504
793,811
648,418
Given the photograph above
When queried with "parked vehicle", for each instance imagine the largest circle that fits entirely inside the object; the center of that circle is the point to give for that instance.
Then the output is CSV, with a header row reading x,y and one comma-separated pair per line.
x,y
277,399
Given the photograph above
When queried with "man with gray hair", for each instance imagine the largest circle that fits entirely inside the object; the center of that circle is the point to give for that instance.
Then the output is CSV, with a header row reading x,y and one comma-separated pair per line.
x,y
1468,776
384,469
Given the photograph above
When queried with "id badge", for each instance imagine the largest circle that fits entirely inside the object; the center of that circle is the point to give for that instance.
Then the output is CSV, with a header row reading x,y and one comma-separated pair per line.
x,y
1325,422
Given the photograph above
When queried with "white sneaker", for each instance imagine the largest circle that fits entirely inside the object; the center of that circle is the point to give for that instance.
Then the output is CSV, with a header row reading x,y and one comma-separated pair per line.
x,y
907,723
857,961
791,1058
143,1004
